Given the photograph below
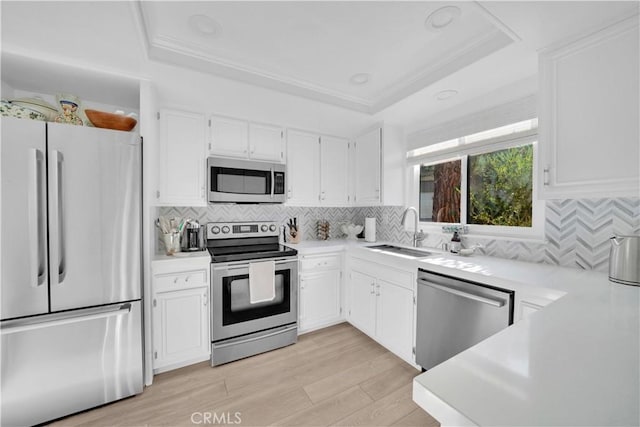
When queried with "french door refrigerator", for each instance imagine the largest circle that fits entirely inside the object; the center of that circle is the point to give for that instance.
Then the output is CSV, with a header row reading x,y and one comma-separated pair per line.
x,y
71,323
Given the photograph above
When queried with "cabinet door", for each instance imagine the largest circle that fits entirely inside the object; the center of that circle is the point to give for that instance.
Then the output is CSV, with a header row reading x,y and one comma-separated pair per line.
x,y
362,302
589,108
265,142
334,171
319,299
394,322
303,168
182,158
367,168
229,137
181,327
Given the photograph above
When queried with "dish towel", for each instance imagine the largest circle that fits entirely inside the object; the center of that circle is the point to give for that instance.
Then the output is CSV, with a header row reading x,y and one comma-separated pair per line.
x,y
262,285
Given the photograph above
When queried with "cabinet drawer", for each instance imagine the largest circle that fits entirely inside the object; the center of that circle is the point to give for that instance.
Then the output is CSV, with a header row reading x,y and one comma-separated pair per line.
x,y
310,263
388,274
182,280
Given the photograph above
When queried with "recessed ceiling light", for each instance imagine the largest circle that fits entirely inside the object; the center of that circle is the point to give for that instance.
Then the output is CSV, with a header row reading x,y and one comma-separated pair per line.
x,y
204,25
446,94
442,18
360,78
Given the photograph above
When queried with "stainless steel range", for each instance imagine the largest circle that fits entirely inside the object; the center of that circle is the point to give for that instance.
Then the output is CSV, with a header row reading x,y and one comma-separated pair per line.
x,y
241,327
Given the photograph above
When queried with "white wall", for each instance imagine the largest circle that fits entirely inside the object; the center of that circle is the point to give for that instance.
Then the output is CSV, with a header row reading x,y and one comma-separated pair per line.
x,y
200,92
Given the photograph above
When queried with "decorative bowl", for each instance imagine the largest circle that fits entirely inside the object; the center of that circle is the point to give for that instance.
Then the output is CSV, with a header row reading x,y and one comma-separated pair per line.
x,y
38,104
102,119
8,109
351,230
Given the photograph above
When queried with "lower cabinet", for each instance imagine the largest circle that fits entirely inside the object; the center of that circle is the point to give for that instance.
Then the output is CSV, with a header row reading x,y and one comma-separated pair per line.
x,y
381,304
320,291
394,319
180,318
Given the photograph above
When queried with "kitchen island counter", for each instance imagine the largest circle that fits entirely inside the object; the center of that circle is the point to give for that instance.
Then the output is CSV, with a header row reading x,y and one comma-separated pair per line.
x,y
575,362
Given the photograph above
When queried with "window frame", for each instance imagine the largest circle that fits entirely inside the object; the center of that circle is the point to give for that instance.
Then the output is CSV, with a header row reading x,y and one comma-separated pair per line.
x,y
462,153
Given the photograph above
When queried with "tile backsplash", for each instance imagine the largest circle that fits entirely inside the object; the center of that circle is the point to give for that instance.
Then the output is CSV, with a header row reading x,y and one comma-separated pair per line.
x,y
576,231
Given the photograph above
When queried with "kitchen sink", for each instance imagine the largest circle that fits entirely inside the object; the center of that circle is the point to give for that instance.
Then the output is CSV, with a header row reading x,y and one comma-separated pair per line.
x,y
415,253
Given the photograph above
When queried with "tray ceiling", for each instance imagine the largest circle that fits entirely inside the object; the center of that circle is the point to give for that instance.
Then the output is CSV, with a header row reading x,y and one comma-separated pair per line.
x,y
318,49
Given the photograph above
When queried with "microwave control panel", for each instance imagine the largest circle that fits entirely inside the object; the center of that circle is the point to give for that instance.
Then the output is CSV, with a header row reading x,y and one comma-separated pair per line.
x,y
278,184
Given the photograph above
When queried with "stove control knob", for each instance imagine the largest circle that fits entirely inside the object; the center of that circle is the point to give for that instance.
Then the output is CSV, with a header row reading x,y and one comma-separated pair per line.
x,y
264,228
272,227
225,229
215,229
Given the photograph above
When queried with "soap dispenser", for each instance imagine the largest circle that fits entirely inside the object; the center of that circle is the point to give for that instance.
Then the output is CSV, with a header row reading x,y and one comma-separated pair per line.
x,y
455,243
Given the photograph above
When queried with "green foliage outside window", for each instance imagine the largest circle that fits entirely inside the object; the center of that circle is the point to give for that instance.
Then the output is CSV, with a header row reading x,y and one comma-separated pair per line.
x,y
500,187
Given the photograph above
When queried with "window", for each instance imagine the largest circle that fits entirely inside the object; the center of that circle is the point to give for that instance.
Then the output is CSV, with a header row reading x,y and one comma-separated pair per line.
x,y
500,187
485,181
440,192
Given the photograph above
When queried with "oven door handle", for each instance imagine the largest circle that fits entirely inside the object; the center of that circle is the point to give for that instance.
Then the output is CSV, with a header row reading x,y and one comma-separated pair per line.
x,y
246,265
248,340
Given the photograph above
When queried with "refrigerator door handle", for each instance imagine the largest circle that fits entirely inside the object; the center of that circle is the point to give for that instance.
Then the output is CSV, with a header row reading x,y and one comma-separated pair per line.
x,y
29,324
56,228
35,218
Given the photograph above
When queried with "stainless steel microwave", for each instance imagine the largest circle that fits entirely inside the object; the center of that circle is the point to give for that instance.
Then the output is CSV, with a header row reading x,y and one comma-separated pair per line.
x,y
245,181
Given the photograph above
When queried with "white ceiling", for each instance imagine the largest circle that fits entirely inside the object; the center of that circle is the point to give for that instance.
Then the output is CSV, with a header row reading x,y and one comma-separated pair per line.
x,y
311,49
314,48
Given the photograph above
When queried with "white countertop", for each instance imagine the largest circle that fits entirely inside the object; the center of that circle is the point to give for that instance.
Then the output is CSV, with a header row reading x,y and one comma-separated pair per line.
x,y
182,255
574,362
308,247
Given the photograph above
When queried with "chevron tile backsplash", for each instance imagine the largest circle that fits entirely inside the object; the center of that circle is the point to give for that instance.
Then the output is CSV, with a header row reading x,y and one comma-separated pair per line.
x,y
576,231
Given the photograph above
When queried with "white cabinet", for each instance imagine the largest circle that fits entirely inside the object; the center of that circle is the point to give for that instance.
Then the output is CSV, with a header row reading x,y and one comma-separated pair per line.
x,y
182,156
320,291
266,142
238,138
318,170
229,137
303,168
180,313
394,326
588,118
362,302
381,304
367,168
334,171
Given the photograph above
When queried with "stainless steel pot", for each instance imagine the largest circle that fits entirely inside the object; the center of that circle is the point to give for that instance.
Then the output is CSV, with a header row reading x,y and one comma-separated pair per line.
x,y
624,263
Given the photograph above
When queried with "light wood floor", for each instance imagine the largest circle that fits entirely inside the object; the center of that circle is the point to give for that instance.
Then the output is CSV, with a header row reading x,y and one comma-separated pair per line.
x,y
335,376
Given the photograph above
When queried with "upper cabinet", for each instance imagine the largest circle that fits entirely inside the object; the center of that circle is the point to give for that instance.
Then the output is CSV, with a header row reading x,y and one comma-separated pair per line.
x,y
229,137
266,142
182,158
303,168
317,170
238,138
367,168
588,118
334,171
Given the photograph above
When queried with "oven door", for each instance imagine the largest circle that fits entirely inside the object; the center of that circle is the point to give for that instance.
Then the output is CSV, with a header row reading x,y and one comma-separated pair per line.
x,y
245,181
233,315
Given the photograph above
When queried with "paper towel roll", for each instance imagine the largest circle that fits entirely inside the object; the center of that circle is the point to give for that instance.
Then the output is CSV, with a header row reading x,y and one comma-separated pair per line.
x,y
370,229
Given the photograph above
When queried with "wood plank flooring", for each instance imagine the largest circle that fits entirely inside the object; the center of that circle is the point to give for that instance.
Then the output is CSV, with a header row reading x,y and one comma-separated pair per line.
x,y
334,376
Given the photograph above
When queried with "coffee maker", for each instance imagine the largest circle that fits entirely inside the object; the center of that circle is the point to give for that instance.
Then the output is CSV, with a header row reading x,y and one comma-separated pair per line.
x,y
192,238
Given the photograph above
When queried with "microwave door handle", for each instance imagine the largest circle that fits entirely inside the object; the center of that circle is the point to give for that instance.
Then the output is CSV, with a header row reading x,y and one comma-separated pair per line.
x,y
273,183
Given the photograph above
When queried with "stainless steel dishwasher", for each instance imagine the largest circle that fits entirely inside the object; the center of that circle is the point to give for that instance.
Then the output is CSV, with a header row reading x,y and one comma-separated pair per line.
x,y
455,314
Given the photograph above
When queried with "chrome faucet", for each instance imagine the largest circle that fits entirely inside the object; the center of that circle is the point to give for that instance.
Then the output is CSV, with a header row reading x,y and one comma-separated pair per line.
x,y
418,237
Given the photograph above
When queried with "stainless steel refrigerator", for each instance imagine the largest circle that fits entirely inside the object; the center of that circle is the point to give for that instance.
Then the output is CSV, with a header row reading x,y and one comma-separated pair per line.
x,y
70,262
